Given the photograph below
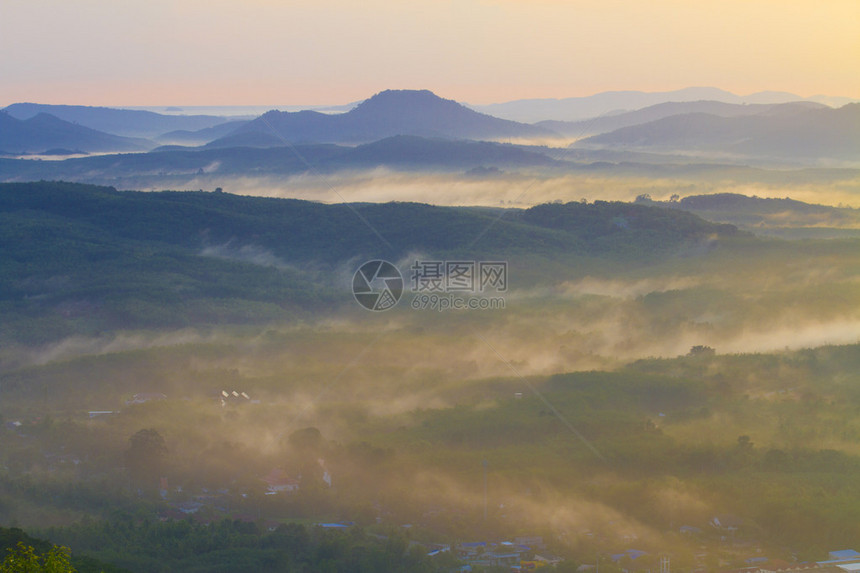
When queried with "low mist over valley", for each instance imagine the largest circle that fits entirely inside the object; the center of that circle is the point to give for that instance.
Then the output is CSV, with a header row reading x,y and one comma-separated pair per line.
x,y
616,332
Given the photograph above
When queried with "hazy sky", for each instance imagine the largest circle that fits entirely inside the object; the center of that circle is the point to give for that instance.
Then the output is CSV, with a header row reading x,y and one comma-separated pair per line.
x,y
221,52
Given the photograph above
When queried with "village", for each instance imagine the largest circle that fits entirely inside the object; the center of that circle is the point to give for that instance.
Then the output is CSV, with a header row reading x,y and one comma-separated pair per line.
x,y
723,544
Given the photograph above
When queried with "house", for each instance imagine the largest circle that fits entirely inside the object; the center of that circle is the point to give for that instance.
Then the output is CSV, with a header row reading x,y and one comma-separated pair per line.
x,y
689,530
234,398
100,413
509,547
471,550
278,480
843,560
548,559
434,550
633,554
189,507
778,566
727,522
844,555
534,541
145,397
494,559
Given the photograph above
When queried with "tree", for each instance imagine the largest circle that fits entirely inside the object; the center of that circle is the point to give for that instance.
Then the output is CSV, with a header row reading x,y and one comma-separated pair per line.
x,y
23,559
144,458
700,350
745,443
307,440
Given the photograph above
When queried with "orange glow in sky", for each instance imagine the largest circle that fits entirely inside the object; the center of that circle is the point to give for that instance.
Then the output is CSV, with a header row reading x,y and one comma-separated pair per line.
x,y
219,52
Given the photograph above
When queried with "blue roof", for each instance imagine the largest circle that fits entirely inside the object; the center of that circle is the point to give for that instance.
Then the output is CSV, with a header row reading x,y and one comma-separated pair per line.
x,y
632,553
844,554
332,525
690,529
475,544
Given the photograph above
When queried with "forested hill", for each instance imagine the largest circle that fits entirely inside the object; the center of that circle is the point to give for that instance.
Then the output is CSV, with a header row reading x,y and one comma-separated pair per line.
x,y
301,231
95,258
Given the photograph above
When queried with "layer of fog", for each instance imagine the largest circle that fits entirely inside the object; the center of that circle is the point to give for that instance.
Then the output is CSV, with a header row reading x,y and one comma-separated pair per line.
x,y
591,323
518,189
18,356
253,254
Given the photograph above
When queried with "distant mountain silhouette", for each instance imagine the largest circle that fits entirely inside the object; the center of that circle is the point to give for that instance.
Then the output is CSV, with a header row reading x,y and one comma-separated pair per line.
x,y
126,122
788,132
605,124
611,103
408,151
389,113
200,136
46,132
246,139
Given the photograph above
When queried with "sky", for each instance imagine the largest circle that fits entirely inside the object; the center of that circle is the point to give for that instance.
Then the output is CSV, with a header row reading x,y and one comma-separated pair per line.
x,y
320,52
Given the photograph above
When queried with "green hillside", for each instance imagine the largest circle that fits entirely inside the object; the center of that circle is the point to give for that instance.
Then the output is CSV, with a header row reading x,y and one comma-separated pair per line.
x,y
86,259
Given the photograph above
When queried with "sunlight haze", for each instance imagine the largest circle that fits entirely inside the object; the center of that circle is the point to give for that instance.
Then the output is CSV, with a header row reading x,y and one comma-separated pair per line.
x,y
162,52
